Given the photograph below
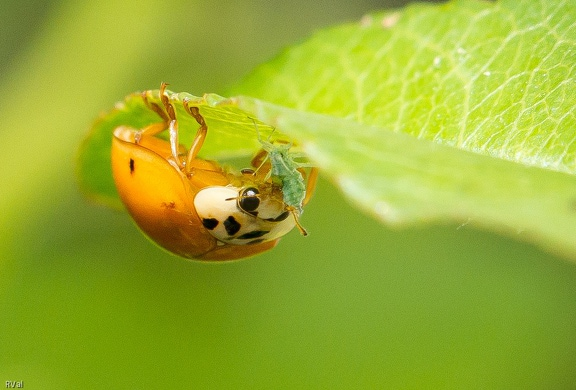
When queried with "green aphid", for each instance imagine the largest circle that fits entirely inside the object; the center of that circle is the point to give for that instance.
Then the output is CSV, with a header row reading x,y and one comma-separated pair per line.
x,y
284,172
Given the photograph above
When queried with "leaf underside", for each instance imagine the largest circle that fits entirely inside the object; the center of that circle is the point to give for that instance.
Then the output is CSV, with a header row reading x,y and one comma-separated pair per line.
x,y
461,112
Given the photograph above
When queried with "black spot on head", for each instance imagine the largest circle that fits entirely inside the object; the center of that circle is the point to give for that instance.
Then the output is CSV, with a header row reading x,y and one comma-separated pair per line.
x,y
248,200
210,223
279,218
231,225
253,234
131,166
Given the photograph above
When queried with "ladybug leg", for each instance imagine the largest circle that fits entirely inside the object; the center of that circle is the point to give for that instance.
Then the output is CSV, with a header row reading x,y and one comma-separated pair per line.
x,y
149,131
166,102
200,134
155,128
169,117
310,185
174,144
166,114
172,124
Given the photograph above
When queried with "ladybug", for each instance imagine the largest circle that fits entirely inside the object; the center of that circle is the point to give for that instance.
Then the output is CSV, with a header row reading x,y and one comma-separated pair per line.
x,y
193,207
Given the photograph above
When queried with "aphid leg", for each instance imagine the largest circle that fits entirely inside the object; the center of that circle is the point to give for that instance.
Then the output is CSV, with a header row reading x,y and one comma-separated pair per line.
x,y
263,155
265,143
301,159
200,134
310,185
259,158
256,127
262,159
258,161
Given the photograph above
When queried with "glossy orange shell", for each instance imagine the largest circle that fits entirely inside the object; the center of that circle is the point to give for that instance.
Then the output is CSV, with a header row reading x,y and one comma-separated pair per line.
x,y
160,199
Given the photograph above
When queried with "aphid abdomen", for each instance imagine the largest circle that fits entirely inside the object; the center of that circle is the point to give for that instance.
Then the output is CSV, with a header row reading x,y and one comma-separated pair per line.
x,y
294,191
284,170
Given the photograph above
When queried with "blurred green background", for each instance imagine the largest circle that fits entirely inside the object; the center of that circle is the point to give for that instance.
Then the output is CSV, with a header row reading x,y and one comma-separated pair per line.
x,y
86,301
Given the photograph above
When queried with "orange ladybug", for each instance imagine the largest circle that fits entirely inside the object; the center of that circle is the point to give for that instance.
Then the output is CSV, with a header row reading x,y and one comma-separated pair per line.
x,y
193,207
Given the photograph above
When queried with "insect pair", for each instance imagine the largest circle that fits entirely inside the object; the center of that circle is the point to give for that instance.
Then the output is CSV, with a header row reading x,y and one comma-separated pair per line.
x,y
194,207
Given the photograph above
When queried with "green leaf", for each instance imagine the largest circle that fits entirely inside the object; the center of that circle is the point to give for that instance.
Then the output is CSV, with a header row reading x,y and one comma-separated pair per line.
x,y
403,180
491,78
461,112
